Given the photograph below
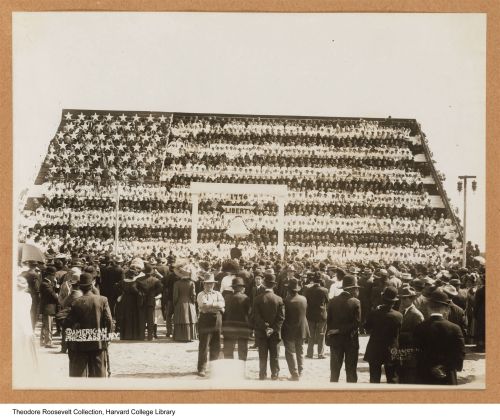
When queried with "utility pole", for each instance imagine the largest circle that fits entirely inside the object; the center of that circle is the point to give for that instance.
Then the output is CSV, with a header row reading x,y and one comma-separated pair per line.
x,y
462,183
117,222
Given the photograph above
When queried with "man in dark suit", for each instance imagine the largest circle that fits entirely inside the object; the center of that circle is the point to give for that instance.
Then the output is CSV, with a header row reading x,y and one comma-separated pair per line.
x,y
366,284
407,370
269,314
111,277
256,289
383,325
149,286
480,316
48,305
461,298
89,316
455,313
235,321
317,302
235,252
441,344
343,321
295,329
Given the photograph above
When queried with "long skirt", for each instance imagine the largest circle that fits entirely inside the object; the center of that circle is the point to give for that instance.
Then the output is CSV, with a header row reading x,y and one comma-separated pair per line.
x,y
185,332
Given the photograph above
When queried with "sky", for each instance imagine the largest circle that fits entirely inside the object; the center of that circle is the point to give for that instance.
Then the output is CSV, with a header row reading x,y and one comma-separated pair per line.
x,y
431,67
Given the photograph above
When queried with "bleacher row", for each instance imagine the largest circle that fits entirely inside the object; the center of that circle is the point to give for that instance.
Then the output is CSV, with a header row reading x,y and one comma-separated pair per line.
x,y
357,188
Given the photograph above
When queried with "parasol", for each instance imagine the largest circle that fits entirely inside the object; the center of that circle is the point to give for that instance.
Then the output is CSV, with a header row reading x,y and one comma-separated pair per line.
x,y
237,228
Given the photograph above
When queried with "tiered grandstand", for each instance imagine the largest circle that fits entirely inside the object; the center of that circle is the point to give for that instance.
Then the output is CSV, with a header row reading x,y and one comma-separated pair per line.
x,y
358,189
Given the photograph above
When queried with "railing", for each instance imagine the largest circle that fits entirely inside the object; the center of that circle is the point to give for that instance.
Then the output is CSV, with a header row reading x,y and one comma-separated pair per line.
x,y
438,182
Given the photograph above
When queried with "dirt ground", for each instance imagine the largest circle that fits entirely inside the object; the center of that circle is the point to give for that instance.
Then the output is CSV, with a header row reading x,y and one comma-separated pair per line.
x,y
174,363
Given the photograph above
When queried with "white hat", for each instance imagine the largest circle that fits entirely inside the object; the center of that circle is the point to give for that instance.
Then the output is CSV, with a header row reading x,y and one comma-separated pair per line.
x,y
137,262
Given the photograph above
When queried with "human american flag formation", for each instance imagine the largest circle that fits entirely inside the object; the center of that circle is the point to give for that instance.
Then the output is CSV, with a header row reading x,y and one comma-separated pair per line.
x,y
362,237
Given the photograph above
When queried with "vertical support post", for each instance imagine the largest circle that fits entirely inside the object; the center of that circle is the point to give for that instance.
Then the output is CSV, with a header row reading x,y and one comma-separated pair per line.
x,y
281,225
464,244
117,213
194,219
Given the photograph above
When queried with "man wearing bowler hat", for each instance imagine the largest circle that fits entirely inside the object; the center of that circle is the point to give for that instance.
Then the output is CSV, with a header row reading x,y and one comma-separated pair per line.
x,y
383,325
295,329
343,321
317,302
211,306
407,370
235,324
90,321
269,314
440,343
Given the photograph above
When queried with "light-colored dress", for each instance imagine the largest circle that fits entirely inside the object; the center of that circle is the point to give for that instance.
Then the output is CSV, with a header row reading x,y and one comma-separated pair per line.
x,y
25,360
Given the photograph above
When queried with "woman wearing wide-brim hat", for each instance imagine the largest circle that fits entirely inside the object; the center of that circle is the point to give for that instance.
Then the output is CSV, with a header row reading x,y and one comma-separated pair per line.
x,y
184,301
128,307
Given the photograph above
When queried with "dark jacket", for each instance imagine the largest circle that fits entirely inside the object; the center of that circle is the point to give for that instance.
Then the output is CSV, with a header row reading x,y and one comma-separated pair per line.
x,y
168,286
317,302
441,343
89,312
111,278
383,325
411,318
269,312
149,286
344,314
461,299
48,297
295,325
457,315
235,253
68,301
236,319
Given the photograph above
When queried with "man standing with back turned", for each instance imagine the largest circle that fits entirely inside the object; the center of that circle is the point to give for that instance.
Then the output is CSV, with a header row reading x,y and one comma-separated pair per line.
x,y
89,321
269,314
343,321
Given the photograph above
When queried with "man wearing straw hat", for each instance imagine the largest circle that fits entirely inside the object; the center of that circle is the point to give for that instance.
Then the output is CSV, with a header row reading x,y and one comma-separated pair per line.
x,y
441,344
211,306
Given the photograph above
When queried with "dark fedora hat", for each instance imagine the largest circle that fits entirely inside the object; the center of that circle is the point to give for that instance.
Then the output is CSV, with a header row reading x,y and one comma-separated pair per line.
x,y
407,291
350,282
438,296
390,294
293,284
50,271
418,284
238,281
86,279
269,278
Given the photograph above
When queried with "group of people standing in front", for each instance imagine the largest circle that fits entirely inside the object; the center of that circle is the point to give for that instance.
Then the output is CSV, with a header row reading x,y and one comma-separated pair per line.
x,y
417,318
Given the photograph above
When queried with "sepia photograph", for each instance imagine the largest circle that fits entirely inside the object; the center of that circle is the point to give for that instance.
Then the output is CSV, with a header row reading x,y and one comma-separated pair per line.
x,y
264,201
